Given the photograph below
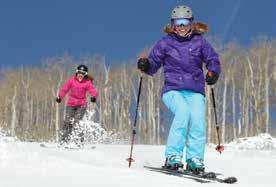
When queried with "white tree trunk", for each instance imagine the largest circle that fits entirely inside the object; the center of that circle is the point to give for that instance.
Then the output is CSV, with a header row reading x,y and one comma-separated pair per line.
x,y
266,90
240,116
157,100
234,108
209,114
13,119
223,123
151,111
246,118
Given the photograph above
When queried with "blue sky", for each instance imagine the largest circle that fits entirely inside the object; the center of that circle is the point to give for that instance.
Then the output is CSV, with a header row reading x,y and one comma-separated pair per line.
x,y
34,29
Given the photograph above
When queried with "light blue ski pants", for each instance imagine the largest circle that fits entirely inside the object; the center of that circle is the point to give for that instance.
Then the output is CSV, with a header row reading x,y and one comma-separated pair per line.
x,y
189,126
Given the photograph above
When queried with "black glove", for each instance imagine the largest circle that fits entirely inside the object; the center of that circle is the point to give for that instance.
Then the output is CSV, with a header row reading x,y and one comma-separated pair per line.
x,y
211,77
143,64
93,99
58,100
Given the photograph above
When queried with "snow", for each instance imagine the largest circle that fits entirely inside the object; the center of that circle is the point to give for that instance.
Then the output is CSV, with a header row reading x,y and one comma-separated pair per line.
x,y
24,164
260,142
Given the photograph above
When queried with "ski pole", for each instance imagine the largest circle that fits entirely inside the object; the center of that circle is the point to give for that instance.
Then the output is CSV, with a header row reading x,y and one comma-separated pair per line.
x,y
219,147
130,159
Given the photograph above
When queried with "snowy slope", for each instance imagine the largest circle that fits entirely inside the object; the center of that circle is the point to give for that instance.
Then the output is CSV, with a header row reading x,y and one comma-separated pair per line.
x,y
260,142
29,165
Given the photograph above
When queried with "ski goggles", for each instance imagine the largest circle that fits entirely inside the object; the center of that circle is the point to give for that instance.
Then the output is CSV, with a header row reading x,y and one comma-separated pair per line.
x,y
181,22
81,72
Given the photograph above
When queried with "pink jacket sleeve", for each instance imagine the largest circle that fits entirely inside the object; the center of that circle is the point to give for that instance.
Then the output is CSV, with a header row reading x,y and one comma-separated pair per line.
x,y
91,89
65,89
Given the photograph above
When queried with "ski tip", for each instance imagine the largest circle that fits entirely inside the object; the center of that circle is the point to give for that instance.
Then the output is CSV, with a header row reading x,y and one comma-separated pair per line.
x,y
92,147
210,175
230,180
42,145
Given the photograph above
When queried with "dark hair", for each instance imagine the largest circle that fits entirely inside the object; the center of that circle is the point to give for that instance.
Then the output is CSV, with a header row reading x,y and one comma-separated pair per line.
x,y
89,77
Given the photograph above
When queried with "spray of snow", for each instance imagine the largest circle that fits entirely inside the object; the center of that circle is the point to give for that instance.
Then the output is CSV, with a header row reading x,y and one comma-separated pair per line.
x,y
4,138
90,132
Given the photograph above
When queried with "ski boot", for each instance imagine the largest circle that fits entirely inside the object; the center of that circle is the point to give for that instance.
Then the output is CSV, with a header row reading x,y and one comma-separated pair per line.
x,y
195,165
173,162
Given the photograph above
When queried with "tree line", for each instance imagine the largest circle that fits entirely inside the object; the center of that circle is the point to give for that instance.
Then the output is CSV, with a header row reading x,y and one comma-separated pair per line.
x,y
245,96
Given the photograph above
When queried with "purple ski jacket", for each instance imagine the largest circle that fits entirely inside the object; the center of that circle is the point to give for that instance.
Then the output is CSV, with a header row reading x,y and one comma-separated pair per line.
x,y
182,60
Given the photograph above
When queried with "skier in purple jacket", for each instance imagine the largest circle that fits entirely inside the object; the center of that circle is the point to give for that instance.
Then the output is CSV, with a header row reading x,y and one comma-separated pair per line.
x,y
182,53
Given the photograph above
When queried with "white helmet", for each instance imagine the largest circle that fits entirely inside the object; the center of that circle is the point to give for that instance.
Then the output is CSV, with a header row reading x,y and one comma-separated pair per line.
x,y
182,11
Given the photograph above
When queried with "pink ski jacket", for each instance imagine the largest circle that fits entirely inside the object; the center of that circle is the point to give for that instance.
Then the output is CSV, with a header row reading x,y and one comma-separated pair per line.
x,y
77,95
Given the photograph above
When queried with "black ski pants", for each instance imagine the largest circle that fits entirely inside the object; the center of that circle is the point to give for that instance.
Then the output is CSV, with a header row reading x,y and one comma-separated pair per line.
x,y
72,117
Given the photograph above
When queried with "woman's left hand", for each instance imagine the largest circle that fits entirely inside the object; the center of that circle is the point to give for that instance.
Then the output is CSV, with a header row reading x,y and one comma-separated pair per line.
x,y
93,99
211,78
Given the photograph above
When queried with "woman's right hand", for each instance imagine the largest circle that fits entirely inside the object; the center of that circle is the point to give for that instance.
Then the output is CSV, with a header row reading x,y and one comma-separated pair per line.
x,y
143,64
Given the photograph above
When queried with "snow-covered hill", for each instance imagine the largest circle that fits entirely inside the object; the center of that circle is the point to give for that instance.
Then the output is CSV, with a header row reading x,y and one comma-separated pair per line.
x,y
29,165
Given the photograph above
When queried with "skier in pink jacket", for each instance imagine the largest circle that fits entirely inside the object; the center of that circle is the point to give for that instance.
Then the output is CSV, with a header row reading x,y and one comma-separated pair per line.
x,y
77,86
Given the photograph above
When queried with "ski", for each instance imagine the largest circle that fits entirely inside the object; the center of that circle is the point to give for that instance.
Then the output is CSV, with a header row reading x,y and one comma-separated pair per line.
x,y
66,146
203,177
